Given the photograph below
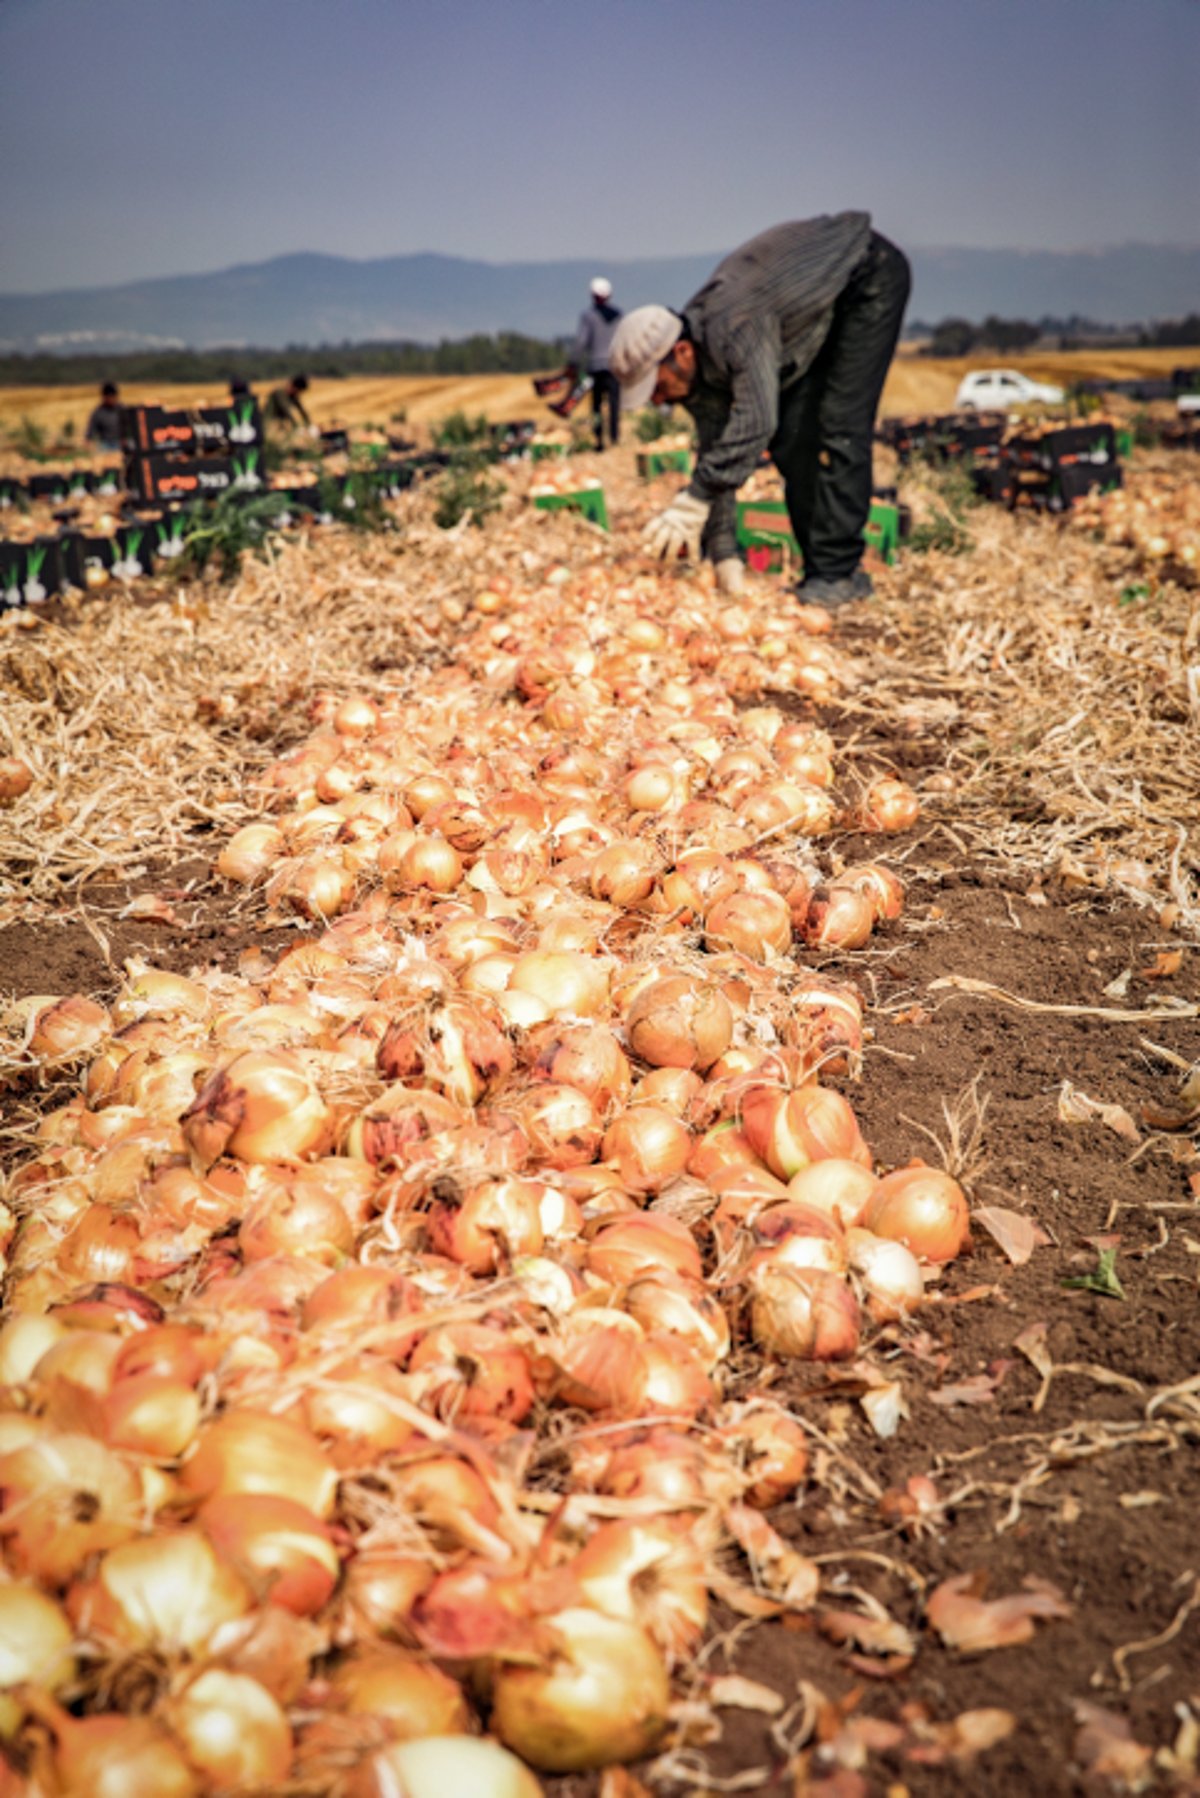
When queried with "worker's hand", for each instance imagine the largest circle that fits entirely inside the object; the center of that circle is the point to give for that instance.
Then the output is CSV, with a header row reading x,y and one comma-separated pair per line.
x,y
731,575
677,531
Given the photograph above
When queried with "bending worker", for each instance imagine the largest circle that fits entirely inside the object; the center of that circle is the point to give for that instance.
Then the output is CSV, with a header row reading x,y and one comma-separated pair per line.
x,y
285,405
590,351
784,349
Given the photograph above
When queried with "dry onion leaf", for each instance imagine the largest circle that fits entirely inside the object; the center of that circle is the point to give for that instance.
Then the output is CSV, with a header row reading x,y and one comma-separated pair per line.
x,y
1017,1236
973,1625
1075,1107
1104,1744
729,1691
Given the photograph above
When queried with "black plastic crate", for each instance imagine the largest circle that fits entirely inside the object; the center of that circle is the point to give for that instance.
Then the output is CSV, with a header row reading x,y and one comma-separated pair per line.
x,y
13,492
179,477
160,431
993,480
1073,481
30,572
82,550
55,485
1094,444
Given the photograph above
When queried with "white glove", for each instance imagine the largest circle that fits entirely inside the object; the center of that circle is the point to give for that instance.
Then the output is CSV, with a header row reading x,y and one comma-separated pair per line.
x,y
731,575
678,530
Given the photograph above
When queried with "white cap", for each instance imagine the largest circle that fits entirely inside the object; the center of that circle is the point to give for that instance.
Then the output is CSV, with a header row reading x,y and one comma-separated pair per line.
x,y
639,344
602,288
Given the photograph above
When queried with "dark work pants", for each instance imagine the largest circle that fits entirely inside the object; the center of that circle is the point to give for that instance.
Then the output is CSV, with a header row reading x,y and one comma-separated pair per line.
x,y
822,446
605,386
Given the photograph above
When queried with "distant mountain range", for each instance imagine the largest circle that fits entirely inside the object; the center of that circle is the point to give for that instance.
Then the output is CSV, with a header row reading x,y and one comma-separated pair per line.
x,y
311,299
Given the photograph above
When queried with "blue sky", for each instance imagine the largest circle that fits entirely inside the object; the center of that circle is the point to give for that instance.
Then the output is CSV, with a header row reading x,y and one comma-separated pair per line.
x,y
144,137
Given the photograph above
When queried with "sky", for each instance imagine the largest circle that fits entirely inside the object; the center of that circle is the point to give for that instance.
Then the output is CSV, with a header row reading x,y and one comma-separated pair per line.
x,y
158,137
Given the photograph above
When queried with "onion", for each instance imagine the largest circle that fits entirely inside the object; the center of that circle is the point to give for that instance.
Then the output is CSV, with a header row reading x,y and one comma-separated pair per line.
x,y
586,1056
676,1089
921,1207
771,1450
24,1339
35,1649
66,1029
381,1587
650,1572
698,880
359,1411
16,777
755,924
233,1730
151,1414
115,1757
839,918
168,1591
428,862
601,1696
260,1107
623,874
678,1022
646,1243
413,1698
891,805
65,1497
567,984
443,1767
803,1312
280,1549
295,1219
560,1124
890,1275
667,1304
254,1451
473,1371
790,1129
878,884
649,1146
835,1186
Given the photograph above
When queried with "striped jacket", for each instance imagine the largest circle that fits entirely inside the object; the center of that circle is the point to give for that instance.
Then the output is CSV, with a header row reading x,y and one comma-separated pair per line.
x,y
758,323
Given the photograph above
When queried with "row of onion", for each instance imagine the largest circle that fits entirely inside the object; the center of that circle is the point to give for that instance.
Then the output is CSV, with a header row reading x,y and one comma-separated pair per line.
x,y
369,1373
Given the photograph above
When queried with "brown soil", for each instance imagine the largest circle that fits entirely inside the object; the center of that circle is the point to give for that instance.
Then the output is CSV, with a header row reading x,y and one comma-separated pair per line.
x,y
1125,1567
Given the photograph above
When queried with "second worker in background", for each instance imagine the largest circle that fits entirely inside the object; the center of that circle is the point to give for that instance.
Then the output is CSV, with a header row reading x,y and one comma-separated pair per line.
x,y
590,352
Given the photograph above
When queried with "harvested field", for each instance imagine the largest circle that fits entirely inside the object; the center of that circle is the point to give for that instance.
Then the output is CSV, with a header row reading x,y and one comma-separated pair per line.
x,y
915,384
1031,1025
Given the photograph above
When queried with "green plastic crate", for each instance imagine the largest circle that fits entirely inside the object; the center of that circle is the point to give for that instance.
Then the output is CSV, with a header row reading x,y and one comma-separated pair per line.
x,y
764,531
656,462
589,501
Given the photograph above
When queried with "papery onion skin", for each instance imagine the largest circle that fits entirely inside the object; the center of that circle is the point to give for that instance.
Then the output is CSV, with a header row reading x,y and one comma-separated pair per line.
x,y
923,1208
602,1698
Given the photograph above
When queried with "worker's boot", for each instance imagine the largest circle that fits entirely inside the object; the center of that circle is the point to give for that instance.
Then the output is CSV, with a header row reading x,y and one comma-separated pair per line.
x,y
834,594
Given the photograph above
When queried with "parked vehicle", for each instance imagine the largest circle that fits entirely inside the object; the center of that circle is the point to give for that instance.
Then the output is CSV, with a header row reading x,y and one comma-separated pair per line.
x,y
997,389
